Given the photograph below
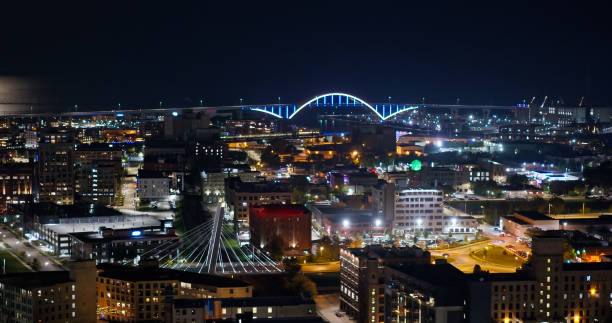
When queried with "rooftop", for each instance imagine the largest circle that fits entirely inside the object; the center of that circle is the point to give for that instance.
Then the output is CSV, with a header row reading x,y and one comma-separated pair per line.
x,y
143,274
256,187
439,274
124,234
36,279
380,252
246,302
280,210
534,215
587,266
91,224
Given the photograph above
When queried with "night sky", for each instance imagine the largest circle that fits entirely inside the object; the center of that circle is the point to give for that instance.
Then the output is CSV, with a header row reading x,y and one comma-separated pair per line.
x,y
139,54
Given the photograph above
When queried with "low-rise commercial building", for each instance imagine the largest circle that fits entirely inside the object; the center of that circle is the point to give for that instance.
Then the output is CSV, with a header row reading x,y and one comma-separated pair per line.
x,y
122,245
153,186
343,222
520,221
242,195
291,223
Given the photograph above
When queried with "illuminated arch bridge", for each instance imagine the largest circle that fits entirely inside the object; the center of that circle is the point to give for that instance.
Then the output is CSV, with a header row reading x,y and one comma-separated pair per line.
x,y
333,101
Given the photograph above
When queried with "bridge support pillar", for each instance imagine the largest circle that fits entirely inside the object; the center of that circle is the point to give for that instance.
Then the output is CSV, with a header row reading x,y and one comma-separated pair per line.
x,y
215,241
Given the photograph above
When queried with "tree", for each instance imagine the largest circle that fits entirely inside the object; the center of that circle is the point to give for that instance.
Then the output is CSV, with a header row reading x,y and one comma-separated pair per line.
x,y
557,205
425,234
281,146
35,264
269,158
276,247
292,267
599,176
301,284
580,189
356,242
329,249
299,187
416,237
538,204
533,232
517,181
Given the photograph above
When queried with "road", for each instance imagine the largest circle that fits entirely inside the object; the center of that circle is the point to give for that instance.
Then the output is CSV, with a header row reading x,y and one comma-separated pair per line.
x,y
463,261
47,263
327,307
451,211
128,188
325,267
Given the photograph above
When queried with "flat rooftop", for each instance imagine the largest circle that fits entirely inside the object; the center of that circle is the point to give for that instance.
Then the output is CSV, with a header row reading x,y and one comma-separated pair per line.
x,y
93,224
124,234
380,252
36,279
144,274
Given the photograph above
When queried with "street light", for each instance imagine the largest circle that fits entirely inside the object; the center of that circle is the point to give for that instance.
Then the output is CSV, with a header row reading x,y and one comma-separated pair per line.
x,y
345,223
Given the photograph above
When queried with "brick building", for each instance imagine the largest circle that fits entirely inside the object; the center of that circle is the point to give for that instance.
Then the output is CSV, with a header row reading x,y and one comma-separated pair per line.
x,y
290,222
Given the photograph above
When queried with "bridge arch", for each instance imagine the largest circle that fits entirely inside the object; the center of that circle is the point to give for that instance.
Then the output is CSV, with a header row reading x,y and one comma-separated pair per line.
x,y
331,96
383,111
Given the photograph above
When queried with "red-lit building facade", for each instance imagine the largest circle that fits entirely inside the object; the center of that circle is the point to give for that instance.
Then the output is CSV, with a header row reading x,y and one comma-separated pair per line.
x,y
290,222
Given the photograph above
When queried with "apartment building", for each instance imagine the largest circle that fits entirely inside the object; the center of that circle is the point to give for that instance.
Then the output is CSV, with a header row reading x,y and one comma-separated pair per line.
x,y
137,294
362,278
56,166
16,184
49,296
547,289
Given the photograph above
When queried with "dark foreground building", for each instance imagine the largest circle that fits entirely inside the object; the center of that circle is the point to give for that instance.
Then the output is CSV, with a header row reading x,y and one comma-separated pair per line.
x,y
546,289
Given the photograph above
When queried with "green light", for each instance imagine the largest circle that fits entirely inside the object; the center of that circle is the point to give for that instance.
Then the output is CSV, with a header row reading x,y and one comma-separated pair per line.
x,y
416,165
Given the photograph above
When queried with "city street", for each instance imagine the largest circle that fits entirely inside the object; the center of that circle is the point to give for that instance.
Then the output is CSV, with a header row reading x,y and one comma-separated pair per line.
x,y
328,305
47,263
325,267
128,188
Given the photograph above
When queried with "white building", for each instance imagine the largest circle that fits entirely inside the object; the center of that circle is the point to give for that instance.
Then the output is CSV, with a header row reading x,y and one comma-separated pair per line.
x,y
418,209
153,185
